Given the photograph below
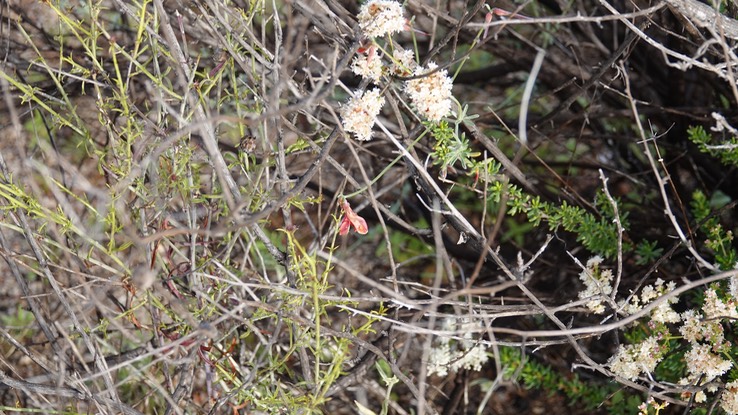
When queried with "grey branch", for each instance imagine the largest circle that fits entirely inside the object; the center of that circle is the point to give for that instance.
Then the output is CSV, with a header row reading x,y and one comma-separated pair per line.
x,y
705,16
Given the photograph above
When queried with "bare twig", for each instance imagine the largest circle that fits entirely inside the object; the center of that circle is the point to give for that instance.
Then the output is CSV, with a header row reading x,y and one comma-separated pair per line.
x,y
659,179
705,16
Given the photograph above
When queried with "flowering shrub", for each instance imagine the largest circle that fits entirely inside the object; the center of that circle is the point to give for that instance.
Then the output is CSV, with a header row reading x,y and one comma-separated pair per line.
x,y
174,181
708,357
429,90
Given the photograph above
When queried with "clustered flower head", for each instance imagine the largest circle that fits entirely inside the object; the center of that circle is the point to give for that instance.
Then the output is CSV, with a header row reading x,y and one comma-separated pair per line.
x,y
704,365
705,333
729,400
360,114
633,359
597,284
663,313
707,358
714,307
381,17
456,355
695,328
368,65
430,94
404,61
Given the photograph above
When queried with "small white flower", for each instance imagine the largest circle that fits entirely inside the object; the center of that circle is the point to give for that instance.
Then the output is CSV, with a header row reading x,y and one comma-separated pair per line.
x,y
594,262
368,66
439,360
632,360
381,17
630,307
597,285
431,94
734,283
458,354
360,114
470,359
663,313
695,328
714,307
729,399
404,61
702,361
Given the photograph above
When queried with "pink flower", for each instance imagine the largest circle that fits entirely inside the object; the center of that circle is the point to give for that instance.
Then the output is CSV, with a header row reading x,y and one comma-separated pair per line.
x,y
351,218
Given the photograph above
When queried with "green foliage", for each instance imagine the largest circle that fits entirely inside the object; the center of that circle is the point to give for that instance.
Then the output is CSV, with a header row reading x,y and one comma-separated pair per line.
x,y
673,367
535,375
726,152
451,148
598,234
647,252
719,240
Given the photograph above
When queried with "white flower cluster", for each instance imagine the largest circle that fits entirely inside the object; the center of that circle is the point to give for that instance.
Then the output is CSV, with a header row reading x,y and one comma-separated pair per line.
x,y
633,359
714,307
707,358
360,114
663,313
705,333
704,365
597,284
404,61
729,399
456,355
430,94
381,17
368,66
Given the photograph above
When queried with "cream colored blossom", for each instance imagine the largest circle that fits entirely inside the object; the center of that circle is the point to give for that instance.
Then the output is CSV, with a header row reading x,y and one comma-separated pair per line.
x,y
381,17
360,114
597,285
632,360
714,307
663,313
471,359
729,398
695,328
404,61
368,66
458,354
439,359
702,361
430,94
